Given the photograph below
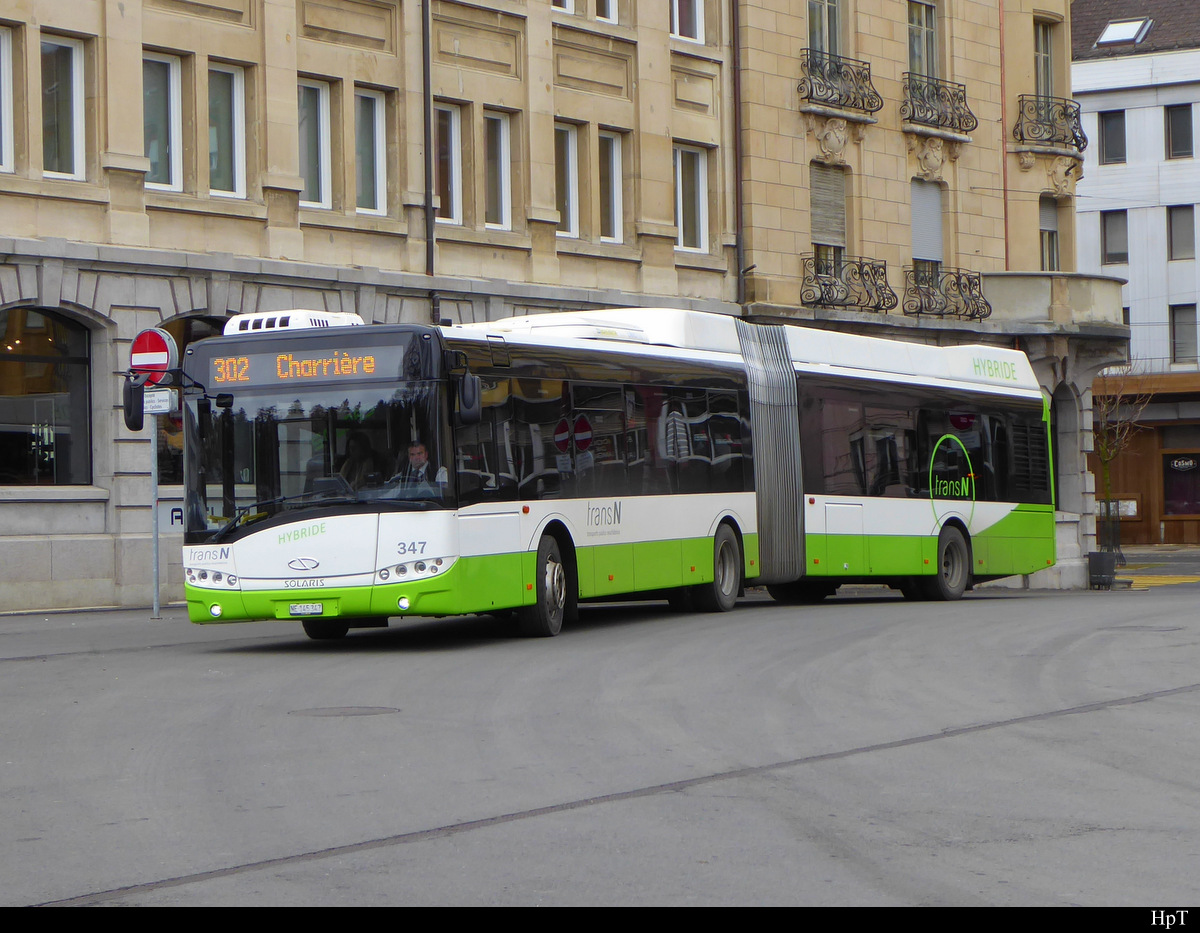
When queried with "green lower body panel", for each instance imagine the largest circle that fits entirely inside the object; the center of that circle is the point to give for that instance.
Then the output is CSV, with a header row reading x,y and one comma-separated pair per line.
x,y
472,584
1020,543
476,584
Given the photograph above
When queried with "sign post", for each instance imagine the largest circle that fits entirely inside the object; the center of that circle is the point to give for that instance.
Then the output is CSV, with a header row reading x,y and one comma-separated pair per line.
x,y
154,356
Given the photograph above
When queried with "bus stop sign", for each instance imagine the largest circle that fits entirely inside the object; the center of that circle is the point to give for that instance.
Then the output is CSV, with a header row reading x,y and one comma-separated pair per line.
x,y
155,353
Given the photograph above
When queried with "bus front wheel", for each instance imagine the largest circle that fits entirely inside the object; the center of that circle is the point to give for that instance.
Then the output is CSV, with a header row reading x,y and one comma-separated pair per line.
x,y
552,584
721,594
953,566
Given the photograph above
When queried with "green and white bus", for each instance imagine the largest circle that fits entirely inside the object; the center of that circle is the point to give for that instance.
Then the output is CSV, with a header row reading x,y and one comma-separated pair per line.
x,y
339,475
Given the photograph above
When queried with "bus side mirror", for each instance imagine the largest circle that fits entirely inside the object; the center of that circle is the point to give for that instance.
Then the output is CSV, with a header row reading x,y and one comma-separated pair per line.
x,y
470,399
133,400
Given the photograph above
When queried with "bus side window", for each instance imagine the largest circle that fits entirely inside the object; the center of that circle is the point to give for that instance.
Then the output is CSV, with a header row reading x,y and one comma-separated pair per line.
x,y
482,456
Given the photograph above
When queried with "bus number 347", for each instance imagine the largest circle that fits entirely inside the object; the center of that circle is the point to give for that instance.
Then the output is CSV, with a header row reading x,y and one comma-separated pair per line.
x,y
412,547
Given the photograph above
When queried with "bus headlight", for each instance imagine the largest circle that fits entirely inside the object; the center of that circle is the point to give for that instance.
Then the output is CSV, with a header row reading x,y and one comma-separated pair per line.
x,y
215,611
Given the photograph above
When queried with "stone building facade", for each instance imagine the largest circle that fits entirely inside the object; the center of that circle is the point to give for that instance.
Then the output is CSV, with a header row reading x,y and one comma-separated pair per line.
x,y
904,169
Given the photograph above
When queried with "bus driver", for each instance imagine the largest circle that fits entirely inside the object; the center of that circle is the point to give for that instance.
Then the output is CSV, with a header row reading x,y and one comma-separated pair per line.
x,y
417,471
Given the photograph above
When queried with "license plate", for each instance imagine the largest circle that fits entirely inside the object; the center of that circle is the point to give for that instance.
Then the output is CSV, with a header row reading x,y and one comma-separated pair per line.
x,y
306,609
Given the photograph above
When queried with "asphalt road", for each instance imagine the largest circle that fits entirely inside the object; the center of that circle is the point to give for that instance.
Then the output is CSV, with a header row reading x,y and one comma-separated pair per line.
x,y
1009,749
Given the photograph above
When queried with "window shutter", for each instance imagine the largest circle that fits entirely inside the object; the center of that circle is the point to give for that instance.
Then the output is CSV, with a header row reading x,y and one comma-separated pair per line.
x,y
1048,214
926,220
827,192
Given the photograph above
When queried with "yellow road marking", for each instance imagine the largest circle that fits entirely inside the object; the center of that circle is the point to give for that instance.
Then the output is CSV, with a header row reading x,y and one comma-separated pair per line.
x,y
1143,581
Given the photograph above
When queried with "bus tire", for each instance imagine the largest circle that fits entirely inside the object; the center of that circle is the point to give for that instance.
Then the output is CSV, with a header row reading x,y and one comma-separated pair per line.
x,y
325,629
800,592
552,584
721,594
953,567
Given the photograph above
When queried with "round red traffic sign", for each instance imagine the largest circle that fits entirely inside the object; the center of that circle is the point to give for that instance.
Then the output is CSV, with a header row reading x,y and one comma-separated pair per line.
x,y
562,435
154,352
583,433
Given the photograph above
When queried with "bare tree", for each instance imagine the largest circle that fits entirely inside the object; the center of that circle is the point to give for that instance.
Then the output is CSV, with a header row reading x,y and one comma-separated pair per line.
x,y
1119,397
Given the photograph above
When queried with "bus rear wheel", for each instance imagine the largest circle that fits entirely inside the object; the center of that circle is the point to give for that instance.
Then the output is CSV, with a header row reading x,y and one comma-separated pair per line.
x,y
554,596
953,567
721,594
325,629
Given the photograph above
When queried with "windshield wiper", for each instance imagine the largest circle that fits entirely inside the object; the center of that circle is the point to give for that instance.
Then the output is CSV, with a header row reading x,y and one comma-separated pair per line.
x,y
243,511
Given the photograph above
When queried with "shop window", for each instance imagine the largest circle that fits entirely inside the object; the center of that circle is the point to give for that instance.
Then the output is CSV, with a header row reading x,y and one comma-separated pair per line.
x,y
45,375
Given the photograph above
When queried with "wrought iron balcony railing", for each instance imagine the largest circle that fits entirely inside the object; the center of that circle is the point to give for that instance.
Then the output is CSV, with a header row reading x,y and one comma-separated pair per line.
x,y
838,82
932,102
945,293
1049,121
849,283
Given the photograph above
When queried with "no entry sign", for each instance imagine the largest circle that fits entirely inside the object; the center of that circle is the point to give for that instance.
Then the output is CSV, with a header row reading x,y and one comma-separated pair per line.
x,y
562,436
154,352
583,433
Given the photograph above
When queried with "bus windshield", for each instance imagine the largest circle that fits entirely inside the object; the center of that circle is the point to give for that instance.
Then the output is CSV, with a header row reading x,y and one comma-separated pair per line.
x,y
257,453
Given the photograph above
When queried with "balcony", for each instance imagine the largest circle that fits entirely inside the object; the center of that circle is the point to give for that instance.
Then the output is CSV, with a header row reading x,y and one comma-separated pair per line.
x,y
940,104
945,293
1049,121
841,83
847,284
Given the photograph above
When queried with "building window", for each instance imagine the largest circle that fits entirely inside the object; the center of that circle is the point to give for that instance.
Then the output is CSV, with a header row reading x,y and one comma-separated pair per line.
x,y
447,163
498,170
370,152
1183,333
691,198
226,130
687,19
1124,32
827,202
927,221
612,182
1179,131
62,108
922,39
823,26
567,6
1043,59
1112,137
6,101
566,178
606,10
45,409
162,122
1114,237
1181,232
315,149
1048,233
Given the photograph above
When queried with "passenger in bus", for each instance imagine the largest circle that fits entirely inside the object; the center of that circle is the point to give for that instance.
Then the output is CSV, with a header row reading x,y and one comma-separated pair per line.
x,y
360,463
417,471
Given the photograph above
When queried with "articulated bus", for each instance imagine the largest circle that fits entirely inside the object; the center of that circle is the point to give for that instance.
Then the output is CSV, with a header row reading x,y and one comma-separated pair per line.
x,y
339,474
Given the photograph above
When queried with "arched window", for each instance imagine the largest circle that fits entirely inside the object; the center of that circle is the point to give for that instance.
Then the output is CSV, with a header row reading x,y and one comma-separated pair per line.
x,y
45,405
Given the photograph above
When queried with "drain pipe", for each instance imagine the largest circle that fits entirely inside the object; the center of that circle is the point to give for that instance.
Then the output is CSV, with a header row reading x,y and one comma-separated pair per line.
x,y
739,230
430,214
